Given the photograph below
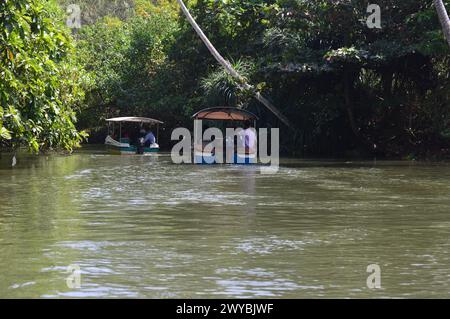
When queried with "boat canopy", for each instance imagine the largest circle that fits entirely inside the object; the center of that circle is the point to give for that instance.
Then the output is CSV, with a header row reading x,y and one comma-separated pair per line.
x,y
134,120
225,114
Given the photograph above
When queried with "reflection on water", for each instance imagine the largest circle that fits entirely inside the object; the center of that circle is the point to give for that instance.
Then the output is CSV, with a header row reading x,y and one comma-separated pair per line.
x,y
143,227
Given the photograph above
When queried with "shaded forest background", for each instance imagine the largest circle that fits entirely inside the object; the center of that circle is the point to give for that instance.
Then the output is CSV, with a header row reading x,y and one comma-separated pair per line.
x,y
348,89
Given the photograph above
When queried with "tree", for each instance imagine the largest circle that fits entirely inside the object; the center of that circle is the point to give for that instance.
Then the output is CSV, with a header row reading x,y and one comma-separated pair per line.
x,y
40,84
229,68
352,87
443,18
127,61
343,86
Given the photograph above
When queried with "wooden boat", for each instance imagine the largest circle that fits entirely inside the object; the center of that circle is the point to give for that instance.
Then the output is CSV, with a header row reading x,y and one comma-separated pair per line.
x,y
123,145
223,117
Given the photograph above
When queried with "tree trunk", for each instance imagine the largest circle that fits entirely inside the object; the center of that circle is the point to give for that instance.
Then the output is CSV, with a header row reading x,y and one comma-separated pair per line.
x,y
228,67
443,18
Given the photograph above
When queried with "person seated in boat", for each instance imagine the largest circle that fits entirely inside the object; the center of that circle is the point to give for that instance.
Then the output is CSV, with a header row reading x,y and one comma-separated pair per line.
x,y
138,138
139,141
248,137
149,139
141,135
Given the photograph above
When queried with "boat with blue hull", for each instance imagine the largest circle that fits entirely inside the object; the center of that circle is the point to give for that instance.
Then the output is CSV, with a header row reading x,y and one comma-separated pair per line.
x,y
223,118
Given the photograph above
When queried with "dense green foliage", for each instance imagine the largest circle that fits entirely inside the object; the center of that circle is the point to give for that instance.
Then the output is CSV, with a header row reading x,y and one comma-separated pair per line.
x,y
348,88
127,61
345,86
39,81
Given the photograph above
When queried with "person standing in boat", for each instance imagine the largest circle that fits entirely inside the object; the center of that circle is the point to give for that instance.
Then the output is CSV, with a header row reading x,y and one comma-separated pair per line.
x,y
140,141
248,138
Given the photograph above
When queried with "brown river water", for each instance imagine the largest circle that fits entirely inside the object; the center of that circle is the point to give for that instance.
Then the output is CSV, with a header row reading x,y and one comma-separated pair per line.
x,y
142,227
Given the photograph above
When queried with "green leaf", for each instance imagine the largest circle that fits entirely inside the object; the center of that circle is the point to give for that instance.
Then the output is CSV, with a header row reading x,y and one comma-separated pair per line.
x,y
4,133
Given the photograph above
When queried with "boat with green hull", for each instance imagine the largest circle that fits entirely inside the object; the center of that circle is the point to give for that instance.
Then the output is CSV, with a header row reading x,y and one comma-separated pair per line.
x,y
125,144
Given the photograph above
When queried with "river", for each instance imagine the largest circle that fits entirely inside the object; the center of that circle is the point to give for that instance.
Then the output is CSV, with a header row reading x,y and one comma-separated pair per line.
x,y
142,227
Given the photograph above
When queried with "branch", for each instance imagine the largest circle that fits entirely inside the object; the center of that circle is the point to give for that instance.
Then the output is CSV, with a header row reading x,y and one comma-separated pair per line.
x,y
227,66
443,18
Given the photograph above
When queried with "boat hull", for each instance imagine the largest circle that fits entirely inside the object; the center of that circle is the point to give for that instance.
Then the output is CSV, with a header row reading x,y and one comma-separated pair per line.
x,y
131,150
238,159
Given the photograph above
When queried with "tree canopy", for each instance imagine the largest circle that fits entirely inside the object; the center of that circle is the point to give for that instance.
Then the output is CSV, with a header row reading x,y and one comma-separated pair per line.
x,y
40,87
347,88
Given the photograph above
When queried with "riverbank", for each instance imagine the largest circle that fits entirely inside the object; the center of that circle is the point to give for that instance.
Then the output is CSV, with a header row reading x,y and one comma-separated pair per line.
x,y
24,159
24,156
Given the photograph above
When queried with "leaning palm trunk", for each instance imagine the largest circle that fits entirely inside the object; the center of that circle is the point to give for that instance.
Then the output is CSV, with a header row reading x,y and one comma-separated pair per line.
x,y
228,67
443,17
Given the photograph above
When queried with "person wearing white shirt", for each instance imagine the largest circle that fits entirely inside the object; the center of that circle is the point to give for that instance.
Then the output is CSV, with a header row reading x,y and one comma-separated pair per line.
x,y
248,136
